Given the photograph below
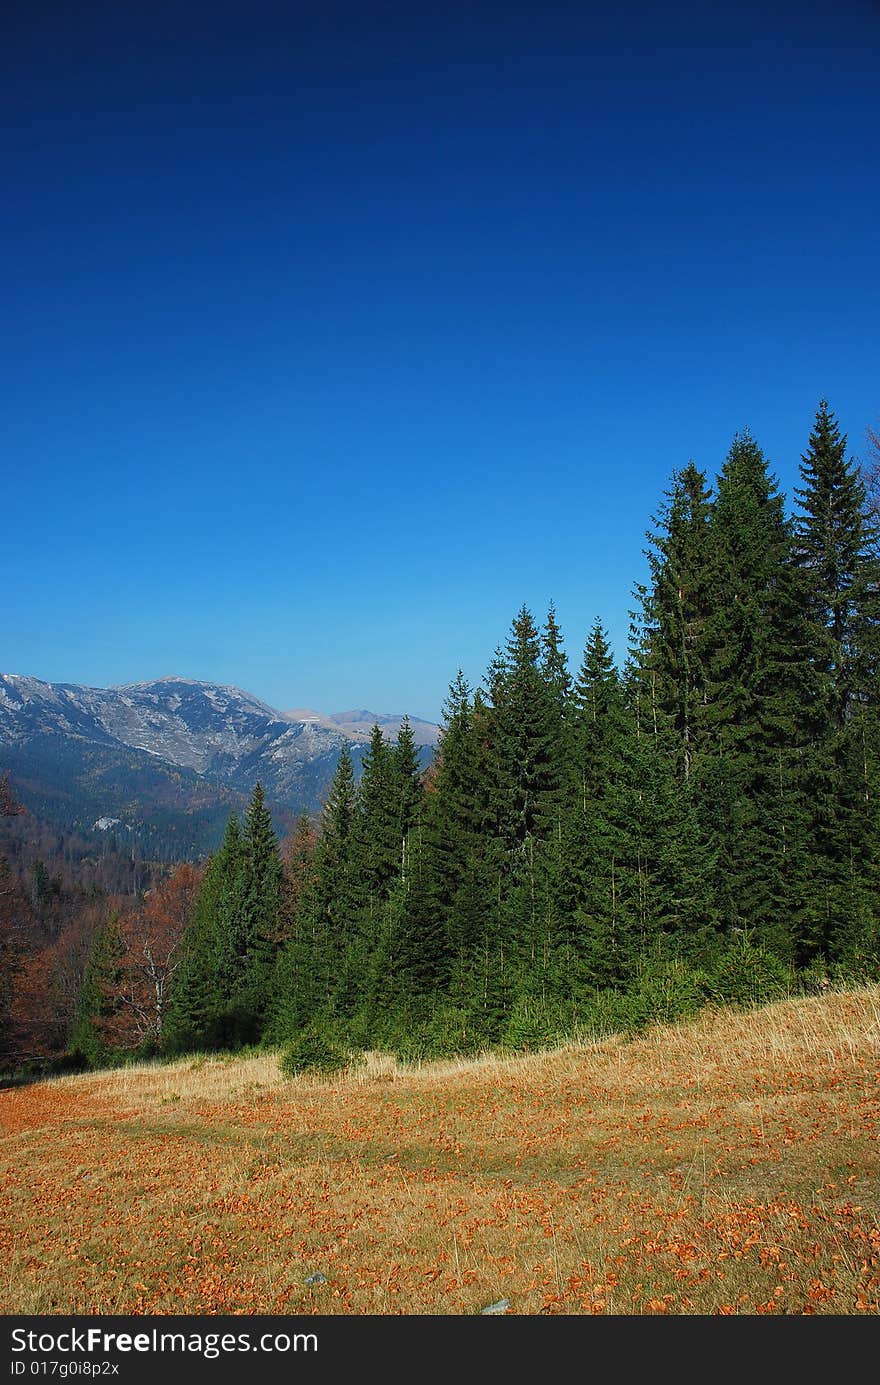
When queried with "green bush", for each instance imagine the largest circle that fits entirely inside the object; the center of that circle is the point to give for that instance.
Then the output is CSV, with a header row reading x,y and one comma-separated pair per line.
x,y
815,978
747,975
532,1025
605,1013
445,1031
315,1049
666,990
860,968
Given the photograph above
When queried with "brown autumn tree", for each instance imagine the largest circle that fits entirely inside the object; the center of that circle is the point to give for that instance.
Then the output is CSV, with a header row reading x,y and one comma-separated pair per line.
x,y
149,954
29,1019
9,804
298,864
13,911
871,477
12,905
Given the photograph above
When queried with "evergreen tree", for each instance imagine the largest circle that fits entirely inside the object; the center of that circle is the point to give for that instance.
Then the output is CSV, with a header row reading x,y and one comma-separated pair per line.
x,y
333,911
558,686
11,950
91,1036
522,735
453,828
203,995
761,705
554,664
420,937
407,779
378,826
454,807
675,615
599,854
258,937
833,548
557,679
596,701
835,553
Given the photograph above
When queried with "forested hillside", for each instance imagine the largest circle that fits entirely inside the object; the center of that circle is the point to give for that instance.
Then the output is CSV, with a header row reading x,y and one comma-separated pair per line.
x,y
58,890
595,845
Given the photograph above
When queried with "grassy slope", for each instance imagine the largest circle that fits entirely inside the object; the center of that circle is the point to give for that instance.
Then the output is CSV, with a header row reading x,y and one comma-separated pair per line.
x,y
729,1165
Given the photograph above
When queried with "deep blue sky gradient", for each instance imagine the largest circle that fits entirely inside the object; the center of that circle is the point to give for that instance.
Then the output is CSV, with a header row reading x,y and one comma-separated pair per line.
x,y
336,331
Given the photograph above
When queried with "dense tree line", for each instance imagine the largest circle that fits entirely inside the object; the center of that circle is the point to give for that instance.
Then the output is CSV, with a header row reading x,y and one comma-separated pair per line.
x,y
599,845
594,846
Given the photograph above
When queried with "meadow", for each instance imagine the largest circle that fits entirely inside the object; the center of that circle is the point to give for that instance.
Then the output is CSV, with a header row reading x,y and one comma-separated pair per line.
x,y
727,1165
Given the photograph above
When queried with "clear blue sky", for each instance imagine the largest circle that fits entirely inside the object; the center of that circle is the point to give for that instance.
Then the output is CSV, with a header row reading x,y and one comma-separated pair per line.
x,y
334,332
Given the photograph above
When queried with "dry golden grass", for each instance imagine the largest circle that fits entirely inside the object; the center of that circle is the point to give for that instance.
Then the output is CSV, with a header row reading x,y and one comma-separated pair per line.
x,y
727,1165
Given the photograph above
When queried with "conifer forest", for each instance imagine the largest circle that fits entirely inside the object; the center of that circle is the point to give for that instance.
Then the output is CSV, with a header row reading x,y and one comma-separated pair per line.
x,y
596,844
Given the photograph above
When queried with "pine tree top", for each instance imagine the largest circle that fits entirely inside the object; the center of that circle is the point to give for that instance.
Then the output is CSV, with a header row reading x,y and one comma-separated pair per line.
x,y
597,678
554,662
746,473
833,493
458,699
337,817
259,833
232,836
524,642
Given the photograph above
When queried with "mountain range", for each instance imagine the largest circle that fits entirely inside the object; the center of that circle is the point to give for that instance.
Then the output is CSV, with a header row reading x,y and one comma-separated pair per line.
x,y
167,761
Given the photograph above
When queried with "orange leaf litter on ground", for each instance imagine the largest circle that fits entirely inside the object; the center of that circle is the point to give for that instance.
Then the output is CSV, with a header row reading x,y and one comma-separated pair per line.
x,y
724,1166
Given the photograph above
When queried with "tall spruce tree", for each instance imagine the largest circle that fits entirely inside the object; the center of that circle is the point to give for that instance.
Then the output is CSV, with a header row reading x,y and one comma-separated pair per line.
x,y
596,699
259,939
600,846
315,970
834,551
454,831
377,827
90,1039
761,705
833,547
421,944
407,780
676,608
339,895
558,685
522,734
203,994
554,664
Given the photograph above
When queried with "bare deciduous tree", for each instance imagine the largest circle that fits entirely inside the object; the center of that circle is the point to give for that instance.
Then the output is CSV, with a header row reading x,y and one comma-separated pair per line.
x,y
149,956
871,476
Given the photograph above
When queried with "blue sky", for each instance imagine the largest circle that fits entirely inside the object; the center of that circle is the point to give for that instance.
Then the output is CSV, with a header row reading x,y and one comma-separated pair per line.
x,y
336,331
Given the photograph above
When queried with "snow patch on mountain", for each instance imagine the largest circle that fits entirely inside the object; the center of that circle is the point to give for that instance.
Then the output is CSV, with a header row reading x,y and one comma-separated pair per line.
x,y
105,824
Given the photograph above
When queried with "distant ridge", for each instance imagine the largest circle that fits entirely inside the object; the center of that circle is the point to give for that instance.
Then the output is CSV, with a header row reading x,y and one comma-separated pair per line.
x,y
178,750
359,724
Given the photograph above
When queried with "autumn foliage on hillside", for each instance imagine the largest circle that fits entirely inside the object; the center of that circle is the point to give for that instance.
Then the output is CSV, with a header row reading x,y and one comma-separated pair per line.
x,y
135,993
57,893
730,1165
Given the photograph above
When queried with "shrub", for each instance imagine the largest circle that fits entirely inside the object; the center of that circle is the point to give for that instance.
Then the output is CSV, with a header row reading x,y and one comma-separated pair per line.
x,y
446,1031
315,1049
815,978
860,968
532,1025
607,1012
747,975
666,990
